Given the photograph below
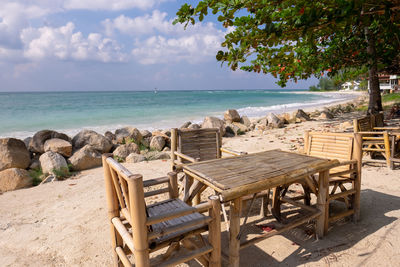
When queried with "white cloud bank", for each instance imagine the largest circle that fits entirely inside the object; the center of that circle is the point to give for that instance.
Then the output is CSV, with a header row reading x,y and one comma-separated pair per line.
x,y
65,44
109,4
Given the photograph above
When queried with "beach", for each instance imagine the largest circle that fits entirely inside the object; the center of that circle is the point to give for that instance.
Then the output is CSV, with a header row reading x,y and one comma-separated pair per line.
x,y
64,223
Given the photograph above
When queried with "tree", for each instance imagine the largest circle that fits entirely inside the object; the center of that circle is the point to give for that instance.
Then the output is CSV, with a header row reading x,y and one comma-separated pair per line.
x,y
296,39
324,84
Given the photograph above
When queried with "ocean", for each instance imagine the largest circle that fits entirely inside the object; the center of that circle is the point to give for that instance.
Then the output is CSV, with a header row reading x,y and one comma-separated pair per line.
x,y
23,114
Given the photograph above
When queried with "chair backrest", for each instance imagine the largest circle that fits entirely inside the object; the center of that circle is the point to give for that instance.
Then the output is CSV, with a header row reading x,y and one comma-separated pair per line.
x,y
340,146
201,144
363,124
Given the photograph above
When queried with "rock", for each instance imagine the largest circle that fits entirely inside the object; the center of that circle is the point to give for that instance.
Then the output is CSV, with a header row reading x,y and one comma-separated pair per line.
x,y
261,124
146,141
13,154
27,141
37,143
245,120
14,178
231,130
194,126
167,133
213,122
145,133
124,150
301,115
155,155
231,115
185,125
286,116
243,128
157,143
95,140
109,135
274,121
35,163
51,161
166,149
133,158
325,115
128,135
59,146
158,133
85,158
283,119
346,125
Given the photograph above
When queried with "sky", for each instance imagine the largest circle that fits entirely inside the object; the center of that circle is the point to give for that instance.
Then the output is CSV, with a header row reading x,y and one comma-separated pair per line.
x,y
96,45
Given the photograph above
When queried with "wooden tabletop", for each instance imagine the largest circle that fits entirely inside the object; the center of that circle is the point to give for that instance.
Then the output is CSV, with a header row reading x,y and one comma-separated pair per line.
x,y
247,174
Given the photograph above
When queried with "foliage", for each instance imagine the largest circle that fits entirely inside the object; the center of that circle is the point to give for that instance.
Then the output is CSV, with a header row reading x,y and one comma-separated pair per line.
x,y
37,176
117,158
296,39
391,97
324,84
62,173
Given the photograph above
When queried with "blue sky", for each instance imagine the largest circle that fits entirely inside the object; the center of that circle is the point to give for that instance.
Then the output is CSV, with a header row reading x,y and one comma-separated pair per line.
x,y
54,45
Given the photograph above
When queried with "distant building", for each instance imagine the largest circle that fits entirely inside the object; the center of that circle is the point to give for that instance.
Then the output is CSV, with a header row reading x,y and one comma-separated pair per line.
x,y
389,82
353,85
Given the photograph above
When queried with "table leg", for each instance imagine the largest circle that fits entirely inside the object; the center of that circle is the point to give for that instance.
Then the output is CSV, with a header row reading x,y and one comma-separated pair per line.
x,y
323,203
234,229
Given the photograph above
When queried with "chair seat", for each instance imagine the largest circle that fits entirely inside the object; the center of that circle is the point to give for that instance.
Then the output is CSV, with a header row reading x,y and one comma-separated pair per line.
x,y
165,227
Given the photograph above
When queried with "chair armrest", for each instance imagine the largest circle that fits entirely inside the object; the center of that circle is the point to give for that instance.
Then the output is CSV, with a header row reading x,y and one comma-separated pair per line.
x,y
232,152
347,162
362,133
155,181
386,128
189,158
171,214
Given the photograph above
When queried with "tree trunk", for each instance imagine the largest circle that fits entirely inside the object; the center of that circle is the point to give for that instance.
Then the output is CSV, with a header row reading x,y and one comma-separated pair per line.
x,y
375,101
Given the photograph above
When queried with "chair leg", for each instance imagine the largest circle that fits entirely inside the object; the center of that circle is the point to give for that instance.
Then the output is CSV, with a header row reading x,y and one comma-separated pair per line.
x,y
264,205
276,203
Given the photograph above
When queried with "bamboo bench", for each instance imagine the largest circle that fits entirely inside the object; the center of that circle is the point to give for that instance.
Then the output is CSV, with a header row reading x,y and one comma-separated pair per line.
x,y
140,229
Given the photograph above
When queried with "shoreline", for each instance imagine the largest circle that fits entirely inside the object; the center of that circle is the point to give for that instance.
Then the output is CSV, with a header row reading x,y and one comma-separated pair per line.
x,y
178,121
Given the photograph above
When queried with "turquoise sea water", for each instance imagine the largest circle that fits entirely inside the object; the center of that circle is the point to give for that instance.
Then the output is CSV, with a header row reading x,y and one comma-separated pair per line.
x,y
22,114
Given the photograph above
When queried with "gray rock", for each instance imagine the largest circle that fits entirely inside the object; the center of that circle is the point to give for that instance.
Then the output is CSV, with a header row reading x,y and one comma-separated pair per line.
x,y
231,130
213,122
95,140
109,135
301,115
133,158
157,143
167,133
166,149
85,158
13,154
274,121
35,163
155,155
14,178
231,115
51,161
194,126
59,146
243,128
124,150
245,120
128,135
37,143
185,125
27,141
146,141
145,133
325,115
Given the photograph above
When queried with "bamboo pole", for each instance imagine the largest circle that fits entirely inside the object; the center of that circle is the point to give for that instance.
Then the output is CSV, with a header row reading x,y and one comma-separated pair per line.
x,y
123,256
357,152
306,143
323,204
173,185
234,229
214,231
138,217
174,133
387,147
218,145
113,209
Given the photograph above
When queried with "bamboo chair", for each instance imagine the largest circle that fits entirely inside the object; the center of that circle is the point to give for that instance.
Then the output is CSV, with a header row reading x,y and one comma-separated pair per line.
x,y
140,229
345,147
394,154
374,139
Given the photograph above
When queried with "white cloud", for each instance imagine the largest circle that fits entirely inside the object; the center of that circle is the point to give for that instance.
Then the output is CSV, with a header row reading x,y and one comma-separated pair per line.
x,y
65,44
109,4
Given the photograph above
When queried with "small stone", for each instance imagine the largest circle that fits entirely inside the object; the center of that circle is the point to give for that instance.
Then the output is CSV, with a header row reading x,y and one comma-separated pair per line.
x,y
133,158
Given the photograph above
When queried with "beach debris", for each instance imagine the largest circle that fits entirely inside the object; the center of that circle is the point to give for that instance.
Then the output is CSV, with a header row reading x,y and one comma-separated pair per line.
x,y
59,146
37,142
52,161
213,122
128,135
14,178
301,115
231,115
85,158
157,143
274,121
13,154
123,151
50,178
95,140
133,158
245,120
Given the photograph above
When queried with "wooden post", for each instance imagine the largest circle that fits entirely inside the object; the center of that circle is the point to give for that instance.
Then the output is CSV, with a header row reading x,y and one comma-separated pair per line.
x,y
219,141
174,134
264,204
306,142
173,185
214,231
355,125
138,217
323,204
387,147
113,209
357,155
234,229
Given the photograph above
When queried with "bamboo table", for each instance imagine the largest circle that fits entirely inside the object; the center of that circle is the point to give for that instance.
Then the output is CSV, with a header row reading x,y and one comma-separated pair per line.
x,y
236,177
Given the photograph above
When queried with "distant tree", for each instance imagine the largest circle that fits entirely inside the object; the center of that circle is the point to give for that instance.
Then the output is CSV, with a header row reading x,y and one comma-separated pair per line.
x,y
324,84
296,39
